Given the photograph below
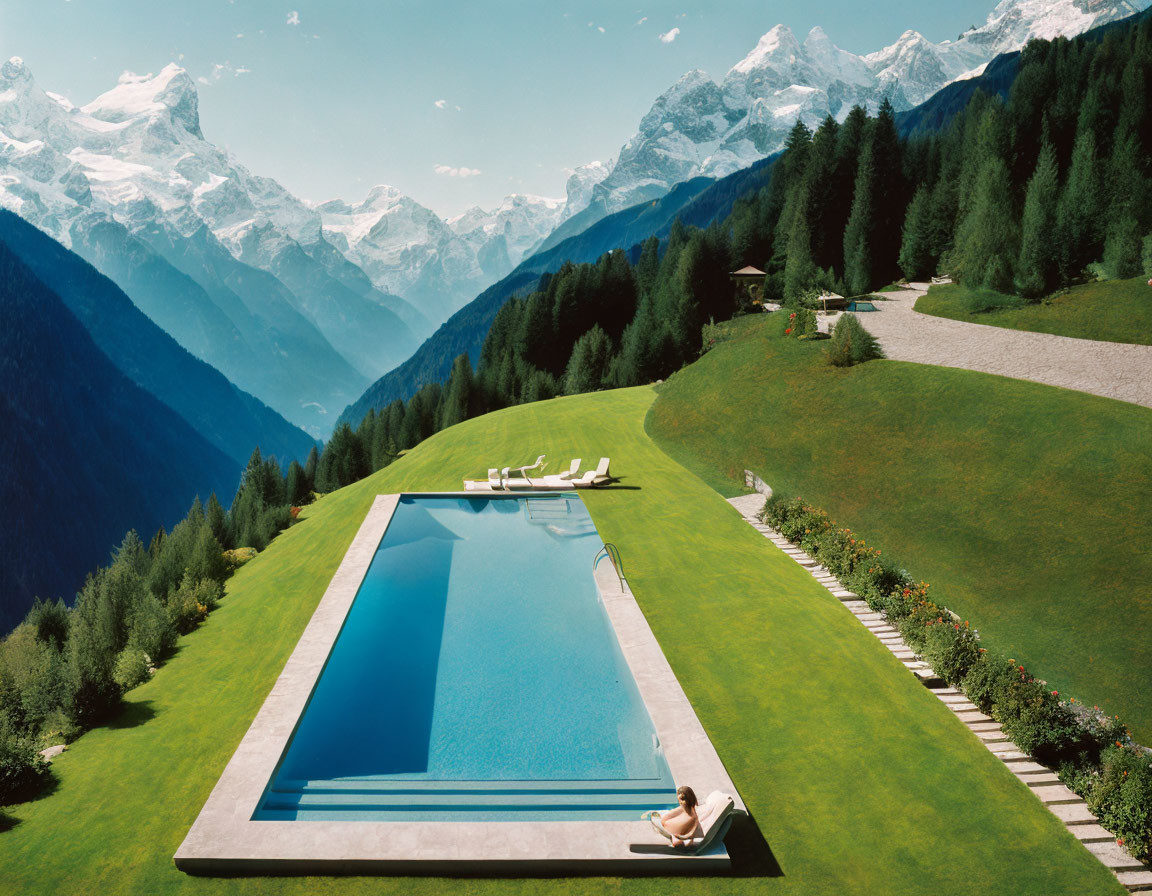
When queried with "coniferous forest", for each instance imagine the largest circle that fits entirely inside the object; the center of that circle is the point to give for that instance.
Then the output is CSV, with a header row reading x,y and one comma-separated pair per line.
x,y
1023,195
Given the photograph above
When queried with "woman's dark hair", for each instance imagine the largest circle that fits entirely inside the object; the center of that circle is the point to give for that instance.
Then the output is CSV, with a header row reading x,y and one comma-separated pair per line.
x,y
687,794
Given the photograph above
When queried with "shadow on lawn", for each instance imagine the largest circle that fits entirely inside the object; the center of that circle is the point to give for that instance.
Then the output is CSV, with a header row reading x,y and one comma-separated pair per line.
x,y
750,853
7,822
133,714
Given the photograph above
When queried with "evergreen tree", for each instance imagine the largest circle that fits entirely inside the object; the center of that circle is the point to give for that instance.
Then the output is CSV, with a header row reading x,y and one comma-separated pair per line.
x,y
1039,266
343,462
857,235
217,521
588,366
296,487
310,467
1129,198
917,260
458,396
986,240
1079,211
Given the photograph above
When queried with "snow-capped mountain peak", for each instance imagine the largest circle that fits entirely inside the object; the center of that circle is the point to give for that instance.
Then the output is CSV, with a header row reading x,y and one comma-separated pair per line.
x,y
778,46
697,127
171,93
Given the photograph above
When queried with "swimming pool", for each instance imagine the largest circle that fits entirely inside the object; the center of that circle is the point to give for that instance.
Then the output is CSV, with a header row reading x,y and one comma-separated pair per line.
x,y
477,675
392,754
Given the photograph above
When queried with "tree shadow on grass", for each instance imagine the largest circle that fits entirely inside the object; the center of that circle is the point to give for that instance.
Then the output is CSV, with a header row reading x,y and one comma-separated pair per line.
x,y
7,822
132,714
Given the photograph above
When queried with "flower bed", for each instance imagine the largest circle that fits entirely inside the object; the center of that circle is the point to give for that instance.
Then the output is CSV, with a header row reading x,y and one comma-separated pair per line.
x,y
1094,753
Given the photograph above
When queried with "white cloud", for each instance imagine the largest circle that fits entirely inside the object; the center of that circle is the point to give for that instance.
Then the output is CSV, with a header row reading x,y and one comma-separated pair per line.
x,y
668,36
600,28
293,18
222,70
450,171
441,104
643,20
240,35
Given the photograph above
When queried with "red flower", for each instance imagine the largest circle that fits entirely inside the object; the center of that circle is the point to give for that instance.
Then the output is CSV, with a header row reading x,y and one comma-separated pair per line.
x,y
789,330
1055,693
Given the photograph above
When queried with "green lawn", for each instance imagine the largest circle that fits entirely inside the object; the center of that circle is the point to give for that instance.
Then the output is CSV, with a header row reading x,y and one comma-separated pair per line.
x,y
860,781
1110,311
1027,508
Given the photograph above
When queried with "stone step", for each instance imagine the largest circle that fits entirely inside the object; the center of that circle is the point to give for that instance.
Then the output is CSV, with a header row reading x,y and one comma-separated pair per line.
x,y
1029,767
904,654
1014,757
855,605
1053,794
1004,746
1092,833
1115,857
973,716
984,726
946,692
928,677
846,595
1040,779
878,625
952,696
991,737
1073,813
1136,881
963,707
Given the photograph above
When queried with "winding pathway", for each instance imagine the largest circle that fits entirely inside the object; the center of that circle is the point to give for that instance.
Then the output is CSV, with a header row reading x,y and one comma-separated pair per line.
x,y
1111,369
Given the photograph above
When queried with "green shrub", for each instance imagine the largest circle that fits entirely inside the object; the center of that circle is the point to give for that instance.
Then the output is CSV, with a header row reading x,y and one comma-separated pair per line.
x,y
1121,795
131,668
151,629
951,649
237,557
984,677
1146,255
801,323
851,343
22,769
191,603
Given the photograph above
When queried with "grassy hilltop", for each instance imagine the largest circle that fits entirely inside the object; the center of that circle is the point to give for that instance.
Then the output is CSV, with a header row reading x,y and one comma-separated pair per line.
x,y
859,780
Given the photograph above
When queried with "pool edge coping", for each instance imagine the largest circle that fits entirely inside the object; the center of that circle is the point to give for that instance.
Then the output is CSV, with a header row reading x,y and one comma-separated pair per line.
x,y
225,840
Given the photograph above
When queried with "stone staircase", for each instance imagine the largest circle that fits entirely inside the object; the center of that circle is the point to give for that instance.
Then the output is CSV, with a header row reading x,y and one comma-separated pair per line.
x,y
1043,783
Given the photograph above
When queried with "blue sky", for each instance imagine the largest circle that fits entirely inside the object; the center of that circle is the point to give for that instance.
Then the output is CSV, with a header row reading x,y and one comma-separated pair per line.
x,y
456,104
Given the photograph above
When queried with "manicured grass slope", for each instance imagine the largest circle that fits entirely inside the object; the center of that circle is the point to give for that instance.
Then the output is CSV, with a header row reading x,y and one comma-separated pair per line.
x,y
1027,508
859,779
1110,311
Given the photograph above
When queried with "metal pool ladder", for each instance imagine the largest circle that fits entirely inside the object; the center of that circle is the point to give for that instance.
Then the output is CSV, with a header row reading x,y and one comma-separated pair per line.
x,y
612,552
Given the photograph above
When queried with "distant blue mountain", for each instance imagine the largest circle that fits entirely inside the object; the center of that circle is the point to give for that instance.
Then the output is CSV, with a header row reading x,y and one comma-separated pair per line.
x,y
231,419
698,202
87,453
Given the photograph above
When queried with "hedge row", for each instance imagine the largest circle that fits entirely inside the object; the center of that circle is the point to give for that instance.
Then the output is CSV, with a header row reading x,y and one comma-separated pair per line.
x,y
1093,753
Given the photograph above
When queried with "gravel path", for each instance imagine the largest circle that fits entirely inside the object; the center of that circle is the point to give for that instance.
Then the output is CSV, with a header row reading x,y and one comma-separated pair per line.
x,y
1111,369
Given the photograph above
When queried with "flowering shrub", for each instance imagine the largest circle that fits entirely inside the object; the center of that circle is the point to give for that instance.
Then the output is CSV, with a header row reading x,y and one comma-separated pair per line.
x,y
1095,753
1121,796
801,323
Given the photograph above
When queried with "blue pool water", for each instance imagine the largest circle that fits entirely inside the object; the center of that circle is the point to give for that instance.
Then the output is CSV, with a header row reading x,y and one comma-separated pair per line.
x,y
476,676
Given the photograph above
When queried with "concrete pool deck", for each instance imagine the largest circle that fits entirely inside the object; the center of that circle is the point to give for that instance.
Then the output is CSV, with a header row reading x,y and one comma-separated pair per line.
x,y
225,840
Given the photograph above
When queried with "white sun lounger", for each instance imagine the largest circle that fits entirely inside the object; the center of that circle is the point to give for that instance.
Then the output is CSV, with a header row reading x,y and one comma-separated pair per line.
x,y
592,478
715,815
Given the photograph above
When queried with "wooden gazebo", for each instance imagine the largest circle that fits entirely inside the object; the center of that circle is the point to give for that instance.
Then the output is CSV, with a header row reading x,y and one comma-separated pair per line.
x,y
749,280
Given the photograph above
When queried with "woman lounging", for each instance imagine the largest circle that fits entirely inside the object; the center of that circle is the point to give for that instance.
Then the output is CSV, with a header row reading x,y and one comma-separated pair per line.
x,y
682,824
